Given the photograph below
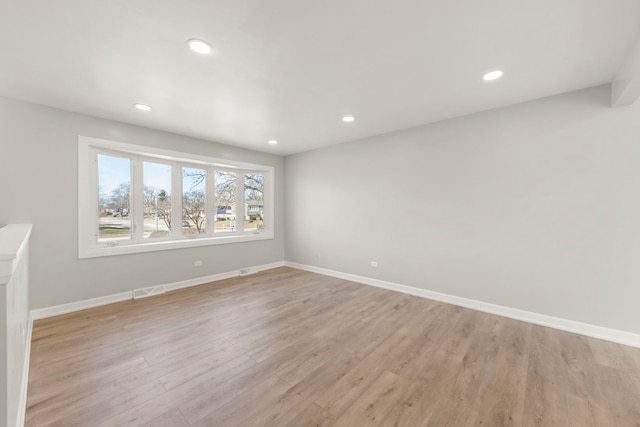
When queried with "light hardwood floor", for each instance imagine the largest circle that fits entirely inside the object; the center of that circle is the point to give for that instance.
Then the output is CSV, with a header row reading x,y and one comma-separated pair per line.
x,y
292,348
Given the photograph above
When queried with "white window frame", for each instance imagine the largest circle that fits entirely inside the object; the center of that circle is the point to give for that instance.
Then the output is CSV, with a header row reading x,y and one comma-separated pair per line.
x,y
88,216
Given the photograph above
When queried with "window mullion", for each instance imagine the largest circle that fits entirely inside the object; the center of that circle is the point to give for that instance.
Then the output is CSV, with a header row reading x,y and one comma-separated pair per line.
x,y
267,201
94,195
210,209
240,206
176,201
136,196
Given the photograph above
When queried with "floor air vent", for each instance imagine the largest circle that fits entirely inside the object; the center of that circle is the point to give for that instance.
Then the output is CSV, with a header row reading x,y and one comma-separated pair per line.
x,y
147,292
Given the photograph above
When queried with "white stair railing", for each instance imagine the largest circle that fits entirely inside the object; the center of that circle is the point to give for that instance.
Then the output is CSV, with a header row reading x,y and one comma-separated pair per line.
x,y
14,322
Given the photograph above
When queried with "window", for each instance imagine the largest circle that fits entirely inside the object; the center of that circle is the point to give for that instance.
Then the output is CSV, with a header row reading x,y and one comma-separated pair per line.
x,y
136,199
114,188
157,199
194,197
254,201
225,196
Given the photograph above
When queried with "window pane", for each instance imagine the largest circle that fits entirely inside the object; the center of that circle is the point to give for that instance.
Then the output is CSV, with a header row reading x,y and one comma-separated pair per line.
x,y
226,186
157,200
253,201
114,186
194,185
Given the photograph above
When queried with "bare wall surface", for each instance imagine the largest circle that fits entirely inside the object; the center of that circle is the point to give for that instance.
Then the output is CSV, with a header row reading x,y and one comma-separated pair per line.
x,y
533,206
38,185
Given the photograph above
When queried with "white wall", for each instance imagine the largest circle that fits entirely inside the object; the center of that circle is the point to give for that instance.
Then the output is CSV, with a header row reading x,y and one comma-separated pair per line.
x,y
534,206
38,185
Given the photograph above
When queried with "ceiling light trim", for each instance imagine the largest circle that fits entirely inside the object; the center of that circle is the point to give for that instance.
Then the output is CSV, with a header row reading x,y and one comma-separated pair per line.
x,y
492,75
199,46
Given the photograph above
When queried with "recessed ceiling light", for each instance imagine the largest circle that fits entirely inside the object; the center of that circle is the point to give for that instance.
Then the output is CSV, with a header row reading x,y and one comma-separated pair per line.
x,y
348,119
199,46
142,107
272,142
492,75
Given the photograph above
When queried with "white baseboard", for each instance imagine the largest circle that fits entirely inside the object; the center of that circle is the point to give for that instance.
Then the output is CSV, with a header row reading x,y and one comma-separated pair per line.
x,y
220,276
57,310
614,335
22,399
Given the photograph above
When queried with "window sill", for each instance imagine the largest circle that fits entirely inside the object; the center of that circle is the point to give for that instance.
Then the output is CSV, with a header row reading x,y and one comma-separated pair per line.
x,y
104,250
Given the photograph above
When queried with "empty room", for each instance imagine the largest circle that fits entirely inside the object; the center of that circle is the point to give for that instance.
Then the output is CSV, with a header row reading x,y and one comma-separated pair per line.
x,y
338,213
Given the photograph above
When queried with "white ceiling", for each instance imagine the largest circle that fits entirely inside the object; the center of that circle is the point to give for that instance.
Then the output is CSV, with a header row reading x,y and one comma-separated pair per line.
x,y
290,69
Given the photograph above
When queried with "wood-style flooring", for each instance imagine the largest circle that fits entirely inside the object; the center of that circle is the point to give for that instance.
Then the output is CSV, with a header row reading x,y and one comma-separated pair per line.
x,y
292,348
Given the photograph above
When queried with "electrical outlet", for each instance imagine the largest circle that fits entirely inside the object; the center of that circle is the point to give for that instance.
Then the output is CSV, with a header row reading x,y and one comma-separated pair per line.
x,y
374,264
197,263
